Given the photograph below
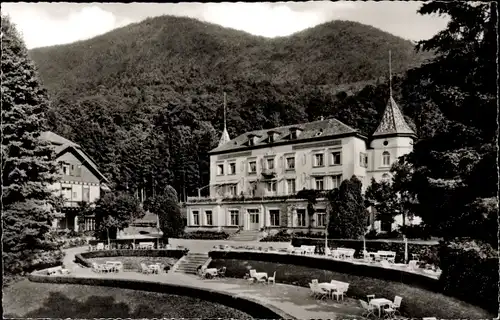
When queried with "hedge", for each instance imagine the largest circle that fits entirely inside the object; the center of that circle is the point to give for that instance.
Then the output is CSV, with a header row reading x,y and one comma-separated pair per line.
x,y
206,235
247,305
421,294
470,273
128,242
373,245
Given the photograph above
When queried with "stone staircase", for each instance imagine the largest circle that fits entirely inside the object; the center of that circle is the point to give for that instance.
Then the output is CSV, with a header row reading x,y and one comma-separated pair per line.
x,y
246,235
191,261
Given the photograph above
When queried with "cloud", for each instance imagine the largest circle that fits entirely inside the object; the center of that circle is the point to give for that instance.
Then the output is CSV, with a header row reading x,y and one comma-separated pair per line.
x,y
270,19
39,28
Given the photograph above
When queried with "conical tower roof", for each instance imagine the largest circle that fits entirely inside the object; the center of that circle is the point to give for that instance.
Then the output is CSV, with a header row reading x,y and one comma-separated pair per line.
x,y
393,121
224,138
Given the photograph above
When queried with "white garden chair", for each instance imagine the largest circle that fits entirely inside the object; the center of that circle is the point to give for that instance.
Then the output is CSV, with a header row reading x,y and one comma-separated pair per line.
x,y
368,309
145,269
397,303
272,279
100,246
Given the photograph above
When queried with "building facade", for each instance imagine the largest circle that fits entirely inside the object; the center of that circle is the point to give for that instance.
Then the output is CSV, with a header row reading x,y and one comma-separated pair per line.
x,y
81,182
254,177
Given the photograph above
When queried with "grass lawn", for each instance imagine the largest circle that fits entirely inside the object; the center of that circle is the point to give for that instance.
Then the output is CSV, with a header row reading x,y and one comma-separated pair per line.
x,y
27,299
134,263
417,302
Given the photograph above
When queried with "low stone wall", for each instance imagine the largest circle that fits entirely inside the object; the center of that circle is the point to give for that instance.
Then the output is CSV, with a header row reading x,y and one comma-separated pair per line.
x,y
247,305
421,295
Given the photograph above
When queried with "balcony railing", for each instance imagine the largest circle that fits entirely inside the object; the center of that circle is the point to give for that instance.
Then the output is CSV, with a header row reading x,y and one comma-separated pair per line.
x,y
72,204
249,197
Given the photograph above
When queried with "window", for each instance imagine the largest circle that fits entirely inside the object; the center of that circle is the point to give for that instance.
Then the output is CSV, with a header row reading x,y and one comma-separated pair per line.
x,y
319,183
232,190
254,215
66,192
270,164
336,158
208,215
78,171
301,217
271,137
290,186
271,186
86,194
293,134
337,180
290,163
363,160
232,168
386,158
220,169
320,217
235,215
318,160
196,218
274,216
252,167
65,168
251,140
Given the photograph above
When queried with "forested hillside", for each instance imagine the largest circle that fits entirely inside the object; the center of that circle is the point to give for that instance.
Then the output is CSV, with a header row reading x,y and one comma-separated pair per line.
x,y
146,100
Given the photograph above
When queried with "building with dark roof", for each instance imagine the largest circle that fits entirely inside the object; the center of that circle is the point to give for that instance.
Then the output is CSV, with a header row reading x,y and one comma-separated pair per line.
x,y
81,182
254,177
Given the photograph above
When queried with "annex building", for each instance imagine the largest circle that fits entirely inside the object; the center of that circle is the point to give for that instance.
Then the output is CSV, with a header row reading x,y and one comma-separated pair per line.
x,y
254,176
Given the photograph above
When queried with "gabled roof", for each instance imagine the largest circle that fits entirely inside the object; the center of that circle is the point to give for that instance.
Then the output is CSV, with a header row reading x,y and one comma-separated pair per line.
x,y
393,122
62,145
316,129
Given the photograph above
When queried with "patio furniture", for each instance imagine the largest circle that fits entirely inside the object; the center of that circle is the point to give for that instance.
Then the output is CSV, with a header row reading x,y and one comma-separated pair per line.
x,y
379,303
389,313
318,291
210,273
429,318
314,281
155,268
96,267
368,310
385,264
341,290
221,272
114,266
369,297
272,279
145,269
396,304
413,264
100,246
330,287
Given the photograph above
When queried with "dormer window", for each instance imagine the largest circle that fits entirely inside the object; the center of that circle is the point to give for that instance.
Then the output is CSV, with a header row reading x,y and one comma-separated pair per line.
x,y
271,136
294,133
252,138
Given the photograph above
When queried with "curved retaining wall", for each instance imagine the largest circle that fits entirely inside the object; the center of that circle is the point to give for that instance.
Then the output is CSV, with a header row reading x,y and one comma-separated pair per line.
x,y
422,296
170,253
250,306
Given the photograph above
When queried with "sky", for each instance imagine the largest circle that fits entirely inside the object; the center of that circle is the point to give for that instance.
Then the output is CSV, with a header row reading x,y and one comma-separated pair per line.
x,y
45,24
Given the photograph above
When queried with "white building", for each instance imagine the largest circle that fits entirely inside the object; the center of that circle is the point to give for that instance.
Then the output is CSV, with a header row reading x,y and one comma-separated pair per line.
x,y
254,176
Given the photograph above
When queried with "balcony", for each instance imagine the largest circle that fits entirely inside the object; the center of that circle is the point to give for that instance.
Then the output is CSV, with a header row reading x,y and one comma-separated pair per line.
x,y
249,198
269,174
73,204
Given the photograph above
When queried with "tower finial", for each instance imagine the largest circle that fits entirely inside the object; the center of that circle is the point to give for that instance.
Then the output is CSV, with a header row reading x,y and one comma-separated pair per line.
x,y
390,74
224,110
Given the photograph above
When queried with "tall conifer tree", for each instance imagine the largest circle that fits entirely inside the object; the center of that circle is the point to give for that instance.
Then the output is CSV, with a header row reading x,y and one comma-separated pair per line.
x,y
28,162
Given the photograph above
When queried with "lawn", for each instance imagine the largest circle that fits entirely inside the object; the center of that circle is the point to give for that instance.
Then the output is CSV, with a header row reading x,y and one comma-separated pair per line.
x,y
134,263
27,299
417,302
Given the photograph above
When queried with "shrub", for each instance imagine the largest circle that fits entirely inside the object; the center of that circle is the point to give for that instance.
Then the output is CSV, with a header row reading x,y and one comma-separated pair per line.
x,y
416,232
281,236
470,272
206,235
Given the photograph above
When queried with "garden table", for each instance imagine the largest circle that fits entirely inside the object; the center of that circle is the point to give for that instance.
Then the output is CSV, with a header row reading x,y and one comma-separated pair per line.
x,y
155,268
328,286
260,275
380,302
211,271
